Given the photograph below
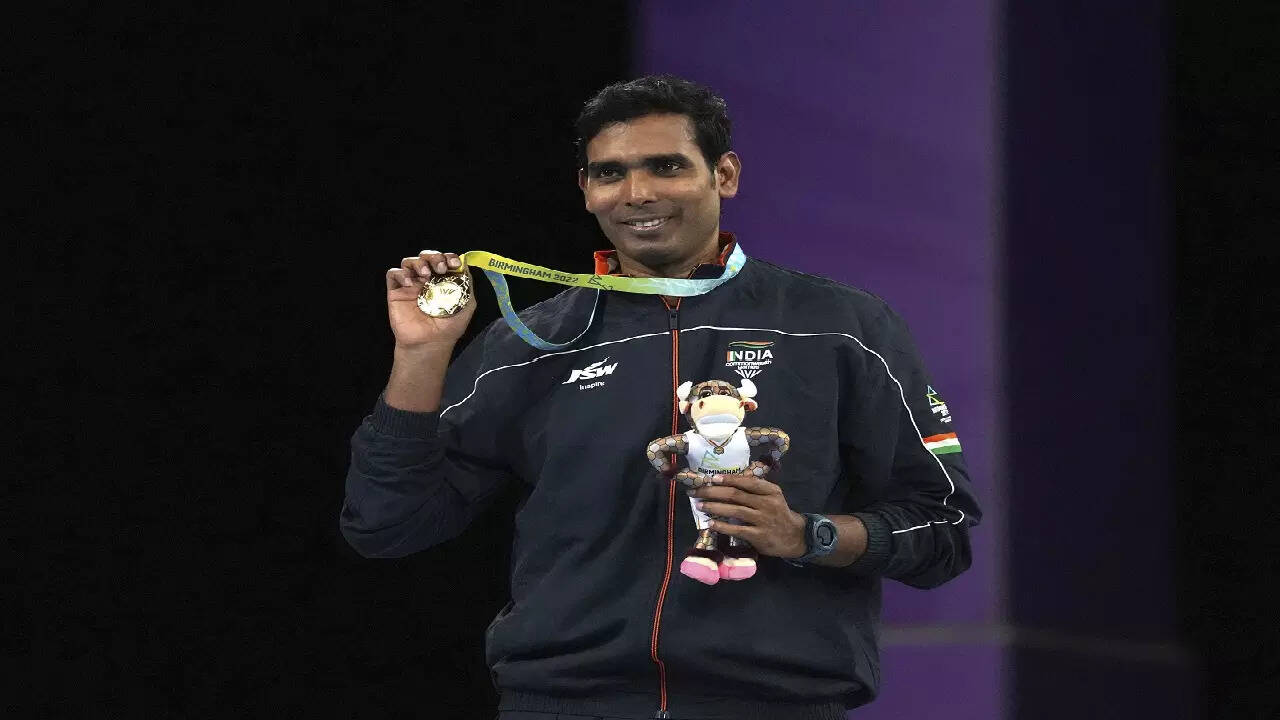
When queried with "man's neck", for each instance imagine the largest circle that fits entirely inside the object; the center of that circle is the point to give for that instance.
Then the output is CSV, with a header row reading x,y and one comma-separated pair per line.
x,y
680,269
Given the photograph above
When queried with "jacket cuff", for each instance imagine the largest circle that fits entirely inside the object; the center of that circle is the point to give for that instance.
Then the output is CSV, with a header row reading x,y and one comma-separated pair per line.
x,y
403,423
879,545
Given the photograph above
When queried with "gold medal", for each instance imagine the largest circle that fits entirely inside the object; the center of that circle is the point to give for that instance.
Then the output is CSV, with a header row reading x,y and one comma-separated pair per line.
x,y
444,295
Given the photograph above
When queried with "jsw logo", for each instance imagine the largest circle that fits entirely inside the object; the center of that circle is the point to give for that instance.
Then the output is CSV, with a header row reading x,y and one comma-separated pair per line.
x,y
594,370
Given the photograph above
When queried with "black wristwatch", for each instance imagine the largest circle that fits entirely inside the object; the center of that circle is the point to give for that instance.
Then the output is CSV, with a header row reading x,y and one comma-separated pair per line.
x,y
820,538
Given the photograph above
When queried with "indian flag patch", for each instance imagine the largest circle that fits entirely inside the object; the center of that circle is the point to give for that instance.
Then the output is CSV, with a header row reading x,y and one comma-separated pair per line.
x,y
942,444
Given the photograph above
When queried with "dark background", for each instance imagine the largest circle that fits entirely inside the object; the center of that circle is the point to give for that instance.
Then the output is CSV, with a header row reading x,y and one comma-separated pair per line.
x,y
1225,161
216,198
239,184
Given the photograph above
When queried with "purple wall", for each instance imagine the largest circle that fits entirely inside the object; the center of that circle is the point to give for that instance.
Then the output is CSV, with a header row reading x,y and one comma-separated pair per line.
x,y
1014,214
1088,346
867,138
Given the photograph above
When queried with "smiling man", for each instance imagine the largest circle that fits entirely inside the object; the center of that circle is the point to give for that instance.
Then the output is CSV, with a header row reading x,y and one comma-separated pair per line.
x,y
656,195
600,622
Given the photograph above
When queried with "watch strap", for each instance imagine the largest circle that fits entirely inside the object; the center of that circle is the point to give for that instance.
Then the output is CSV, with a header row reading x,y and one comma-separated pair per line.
x,y
814,549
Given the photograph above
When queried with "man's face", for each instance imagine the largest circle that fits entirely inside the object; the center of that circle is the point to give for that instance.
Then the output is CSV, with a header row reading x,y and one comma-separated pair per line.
x,y
651,190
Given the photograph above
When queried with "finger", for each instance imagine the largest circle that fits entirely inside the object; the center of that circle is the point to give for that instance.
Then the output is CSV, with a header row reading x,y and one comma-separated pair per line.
x,y
747,483
751,534
692,482
398,278
746,514
434,259
417,267
453,261
731,495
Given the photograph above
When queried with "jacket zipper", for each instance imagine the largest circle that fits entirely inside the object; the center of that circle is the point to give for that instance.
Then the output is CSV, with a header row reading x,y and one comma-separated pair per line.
x,y
673,319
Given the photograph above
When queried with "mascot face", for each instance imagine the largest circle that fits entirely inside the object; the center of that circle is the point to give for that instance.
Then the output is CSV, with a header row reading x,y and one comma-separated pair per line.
x,y
716,408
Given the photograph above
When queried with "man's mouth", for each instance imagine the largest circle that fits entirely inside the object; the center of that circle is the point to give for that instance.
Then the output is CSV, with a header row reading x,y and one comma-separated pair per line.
x,y
646,224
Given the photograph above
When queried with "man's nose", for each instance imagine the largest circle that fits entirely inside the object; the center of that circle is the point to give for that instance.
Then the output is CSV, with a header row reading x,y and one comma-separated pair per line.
x,y
639,188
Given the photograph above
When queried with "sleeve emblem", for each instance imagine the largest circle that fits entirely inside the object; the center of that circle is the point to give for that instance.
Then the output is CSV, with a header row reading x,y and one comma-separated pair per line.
x,y
944,444
937,407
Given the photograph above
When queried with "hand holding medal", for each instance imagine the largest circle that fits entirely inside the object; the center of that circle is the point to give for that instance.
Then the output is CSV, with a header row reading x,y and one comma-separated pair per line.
x,y
429,299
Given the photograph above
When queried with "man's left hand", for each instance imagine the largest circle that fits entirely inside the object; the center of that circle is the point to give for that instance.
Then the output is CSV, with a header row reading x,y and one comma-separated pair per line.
x,y
769,523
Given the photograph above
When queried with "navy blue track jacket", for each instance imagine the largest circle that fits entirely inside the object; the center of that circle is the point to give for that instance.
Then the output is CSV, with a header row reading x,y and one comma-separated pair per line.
x,y
598,621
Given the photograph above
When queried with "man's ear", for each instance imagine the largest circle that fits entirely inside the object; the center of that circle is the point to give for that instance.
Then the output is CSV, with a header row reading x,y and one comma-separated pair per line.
x,y
582,185
727,172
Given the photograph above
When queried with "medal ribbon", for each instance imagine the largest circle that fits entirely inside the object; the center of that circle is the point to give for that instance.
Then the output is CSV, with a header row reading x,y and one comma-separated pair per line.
x,y
495,266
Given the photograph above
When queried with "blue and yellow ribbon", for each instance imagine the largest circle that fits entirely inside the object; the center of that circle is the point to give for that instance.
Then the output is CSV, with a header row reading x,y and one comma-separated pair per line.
x,y
495,266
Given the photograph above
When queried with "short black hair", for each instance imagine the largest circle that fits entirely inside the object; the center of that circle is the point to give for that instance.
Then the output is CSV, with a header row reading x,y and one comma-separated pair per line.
x,y
652,94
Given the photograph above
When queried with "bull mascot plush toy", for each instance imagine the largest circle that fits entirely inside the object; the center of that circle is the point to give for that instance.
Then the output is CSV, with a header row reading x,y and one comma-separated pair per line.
x,y
717,444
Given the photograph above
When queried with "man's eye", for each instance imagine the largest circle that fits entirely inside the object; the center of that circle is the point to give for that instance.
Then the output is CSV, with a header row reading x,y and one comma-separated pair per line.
x,y
668,166
705,394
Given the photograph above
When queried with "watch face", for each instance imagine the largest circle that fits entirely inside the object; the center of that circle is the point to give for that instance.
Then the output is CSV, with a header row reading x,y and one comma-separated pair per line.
x,y
826,534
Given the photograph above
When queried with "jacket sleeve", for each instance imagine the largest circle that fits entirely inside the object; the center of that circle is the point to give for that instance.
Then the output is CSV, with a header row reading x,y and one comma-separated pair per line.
x,y
417,479
903,456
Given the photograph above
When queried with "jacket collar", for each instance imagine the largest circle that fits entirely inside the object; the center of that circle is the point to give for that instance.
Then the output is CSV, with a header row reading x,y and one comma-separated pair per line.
x,y
606,261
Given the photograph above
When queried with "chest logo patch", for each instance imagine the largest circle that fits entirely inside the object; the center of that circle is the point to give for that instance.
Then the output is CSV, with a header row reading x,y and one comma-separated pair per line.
x,y
748,358
594,371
